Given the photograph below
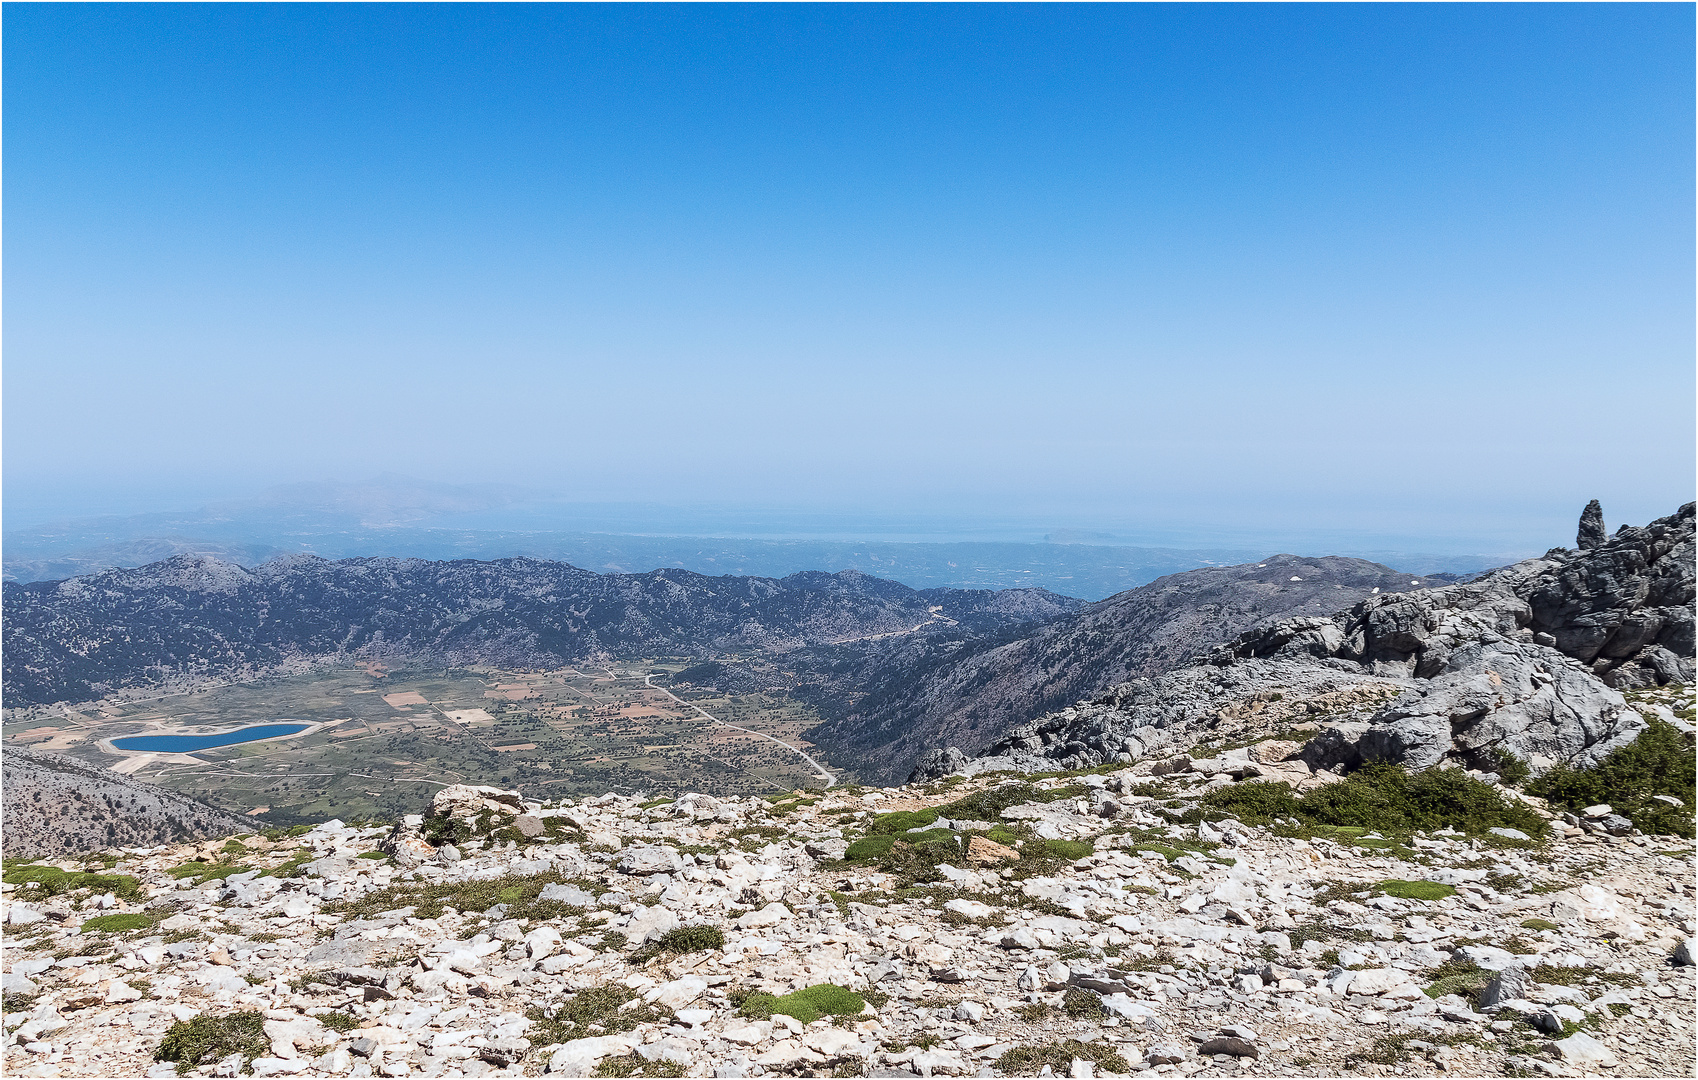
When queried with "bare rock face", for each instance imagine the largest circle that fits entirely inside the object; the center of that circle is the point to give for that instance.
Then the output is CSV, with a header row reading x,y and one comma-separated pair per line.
x,y
1592,532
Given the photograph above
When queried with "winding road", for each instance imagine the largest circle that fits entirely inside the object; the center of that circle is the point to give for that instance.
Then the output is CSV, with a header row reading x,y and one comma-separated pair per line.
x,y
824,773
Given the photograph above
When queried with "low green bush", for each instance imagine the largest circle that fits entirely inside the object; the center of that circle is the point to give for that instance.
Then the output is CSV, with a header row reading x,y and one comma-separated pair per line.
x,y
1065,849
988,805
1083,1005
1416,890
1384,798
1539,924
1030,1060
1659,762
903,821
879,845
599,1010
681,940
53,881
808,1005
117,924
207,1040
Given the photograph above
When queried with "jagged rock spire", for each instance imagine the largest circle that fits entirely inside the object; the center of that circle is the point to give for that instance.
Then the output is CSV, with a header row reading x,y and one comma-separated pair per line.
x,y
1592,532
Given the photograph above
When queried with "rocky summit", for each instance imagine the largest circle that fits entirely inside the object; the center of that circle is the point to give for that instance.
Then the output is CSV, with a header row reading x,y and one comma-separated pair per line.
x,y
1093,924
1527,662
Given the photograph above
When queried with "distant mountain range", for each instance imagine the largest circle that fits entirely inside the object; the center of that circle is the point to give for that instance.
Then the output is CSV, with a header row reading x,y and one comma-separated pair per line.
x,y
195,616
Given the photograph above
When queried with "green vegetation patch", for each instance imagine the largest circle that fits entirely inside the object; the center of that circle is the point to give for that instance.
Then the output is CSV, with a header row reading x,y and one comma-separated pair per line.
x,y
118,924
637,1065
681,940
1659,762
1539,924
1070,850
53,881
600,1010
519,892
207,1040
1561,975
1083,1005
1384,798
903,821
1030,1060
1416,890
203,872
338,1021
1461,977
807,1005
988,805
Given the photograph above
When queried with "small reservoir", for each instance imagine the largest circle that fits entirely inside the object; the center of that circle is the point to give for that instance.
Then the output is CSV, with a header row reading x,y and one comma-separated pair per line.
x,y
188,744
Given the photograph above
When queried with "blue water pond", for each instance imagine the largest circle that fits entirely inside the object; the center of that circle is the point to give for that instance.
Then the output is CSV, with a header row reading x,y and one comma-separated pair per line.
x,y
188,744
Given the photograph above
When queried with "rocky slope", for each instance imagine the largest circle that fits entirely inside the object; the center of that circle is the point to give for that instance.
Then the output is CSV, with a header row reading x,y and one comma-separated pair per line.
x,y
705,937
55,806
192,616
1525,660
916,696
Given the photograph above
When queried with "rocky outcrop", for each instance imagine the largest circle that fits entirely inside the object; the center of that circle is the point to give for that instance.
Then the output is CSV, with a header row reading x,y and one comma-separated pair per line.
x,y
55,805
1623,609
1527,660
1592,532
898,707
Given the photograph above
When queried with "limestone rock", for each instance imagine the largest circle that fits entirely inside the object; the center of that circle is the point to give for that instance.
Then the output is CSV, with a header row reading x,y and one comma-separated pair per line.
x,y
1592,532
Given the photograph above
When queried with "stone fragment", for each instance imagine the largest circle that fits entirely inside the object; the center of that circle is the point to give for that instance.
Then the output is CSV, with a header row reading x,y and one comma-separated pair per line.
x,y
580,1056
1583,1050
983,852
771,915
1227,1044
1510,984
650,859
1686,953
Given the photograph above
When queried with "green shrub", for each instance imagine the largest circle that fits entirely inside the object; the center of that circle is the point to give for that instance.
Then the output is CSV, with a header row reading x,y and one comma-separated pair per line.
x,y
1659,762
1384,798
203,872
600,1010
988,805
1416,890
1539,924
880,845
53,881
521,894
1462,977
1066,849
206,1040
1510,769
1030,1060
117,924
1083,1005
681,940
903,821
338,1021
823,999
637,1065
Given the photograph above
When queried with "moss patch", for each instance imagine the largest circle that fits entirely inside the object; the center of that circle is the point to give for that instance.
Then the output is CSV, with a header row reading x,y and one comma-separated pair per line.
x,y
52,881
118,924
808,1005
1416,890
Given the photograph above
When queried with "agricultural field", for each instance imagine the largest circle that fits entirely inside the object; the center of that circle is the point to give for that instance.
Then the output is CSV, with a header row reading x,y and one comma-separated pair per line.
x,y
379,741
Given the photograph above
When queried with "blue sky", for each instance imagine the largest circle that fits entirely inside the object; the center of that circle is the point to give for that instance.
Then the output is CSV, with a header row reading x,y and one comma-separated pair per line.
x,y
1415,271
